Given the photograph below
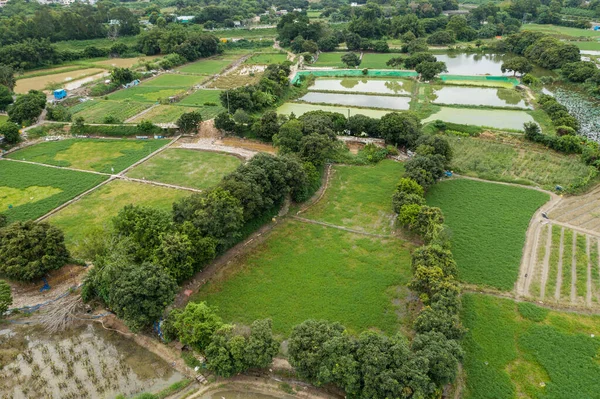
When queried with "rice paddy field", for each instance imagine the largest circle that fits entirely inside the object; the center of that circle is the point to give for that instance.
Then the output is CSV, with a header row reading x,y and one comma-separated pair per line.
x,y
359,197
356,281
106,156
187,168
29,191
520,350
92,214
487,223
95,111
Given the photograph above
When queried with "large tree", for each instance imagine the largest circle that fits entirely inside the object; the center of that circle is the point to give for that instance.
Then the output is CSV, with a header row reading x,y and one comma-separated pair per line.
x,y
351,60
428,70
27,108
517,64
196,324
10,132
189,122
29,250
7,76
400,128
6,97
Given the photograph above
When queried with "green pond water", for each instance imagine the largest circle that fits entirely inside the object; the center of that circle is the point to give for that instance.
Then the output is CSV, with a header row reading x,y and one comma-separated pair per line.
x,y
357,85
499,119
237,394
478,96
302,108
358,100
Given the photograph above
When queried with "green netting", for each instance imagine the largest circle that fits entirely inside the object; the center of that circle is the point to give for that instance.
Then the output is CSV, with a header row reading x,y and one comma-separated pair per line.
x,y
354,72
508,79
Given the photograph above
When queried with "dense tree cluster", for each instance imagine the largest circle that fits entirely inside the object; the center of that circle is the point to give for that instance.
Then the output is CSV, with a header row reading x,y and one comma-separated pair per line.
x,y
5,297
27,107
558,113
545,51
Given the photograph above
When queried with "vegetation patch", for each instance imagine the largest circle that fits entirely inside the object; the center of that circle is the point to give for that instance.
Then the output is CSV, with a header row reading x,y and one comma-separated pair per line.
x,y
487,224
22,176
106,156
146,94
173,80
188,168
97,111
356,280
330,59
267,59
358,197
200,97
205,67
163,114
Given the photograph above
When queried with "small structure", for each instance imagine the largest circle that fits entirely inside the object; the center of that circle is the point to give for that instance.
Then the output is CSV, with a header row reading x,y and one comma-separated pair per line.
x,y
141,137
237,24
60,94
185,19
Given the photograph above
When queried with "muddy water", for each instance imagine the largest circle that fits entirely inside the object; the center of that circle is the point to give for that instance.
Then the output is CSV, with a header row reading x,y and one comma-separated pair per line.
x,y
494,118
358,100
234,394
478,96
357,85
40,82
86,362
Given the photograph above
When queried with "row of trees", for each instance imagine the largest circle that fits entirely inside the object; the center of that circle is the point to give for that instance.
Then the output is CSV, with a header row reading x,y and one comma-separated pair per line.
x,y
140,261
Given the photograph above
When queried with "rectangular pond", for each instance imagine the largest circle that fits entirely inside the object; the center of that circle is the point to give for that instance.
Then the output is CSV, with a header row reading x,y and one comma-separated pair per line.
x,y
496,119
358,85
302,108
477,96
358,100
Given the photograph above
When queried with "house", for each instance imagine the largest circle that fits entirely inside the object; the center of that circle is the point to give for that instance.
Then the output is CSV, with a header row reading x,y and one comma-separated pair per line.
x,y
237,24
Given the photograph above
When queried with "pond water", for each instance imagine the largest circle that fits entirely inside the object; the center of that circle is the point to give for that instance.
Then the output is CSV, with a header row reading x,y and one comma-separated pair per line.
x,y
86,362
478,96
357,85
481,64
302,108
235,394
358,100
498,118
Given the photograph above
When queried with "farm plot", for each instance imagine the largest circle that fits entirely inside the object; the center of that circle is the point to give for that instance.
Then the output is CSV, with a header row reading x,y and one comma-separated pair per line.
x,y
146,94
359,197
163,114
487,223
510,159
30,191
266,59
40,82
302,108
358,281
562,31
201,98
242,76
205,67
521,350
173,80
106,156
92,214
581,211
330,60
187,168
376,61
96,111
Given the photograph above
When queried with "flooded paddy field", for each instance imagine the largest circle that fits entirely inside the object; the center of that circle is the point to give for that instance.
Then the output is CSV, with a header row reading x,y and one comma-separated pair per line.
x,y
358,100
85,362
358,85
480,96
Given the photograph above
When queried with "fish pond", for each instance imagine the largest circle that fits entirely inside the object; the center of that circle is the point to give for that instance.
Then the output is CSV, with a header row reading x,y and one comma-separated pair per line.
x,y
358,100
496,119
481,96
357,85
302,108
238,394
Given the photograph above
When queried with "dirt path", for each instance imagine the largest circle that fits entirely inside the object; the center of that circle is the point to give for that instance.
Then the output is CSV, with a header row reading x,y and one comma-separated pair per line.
x,y
305,220
143,112
546,264
559,273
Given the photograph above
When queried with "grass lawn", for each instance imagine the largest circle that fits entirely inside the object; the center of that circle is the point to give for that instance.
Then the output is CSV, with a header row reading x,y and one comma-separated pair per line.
x,y
163,114
107,156
187,168
376,61
562,31
521,350
34,190
173,80
330,59
360,197
267,58
518,163
305,271
205,67
95,111
92,213
146,93
487,223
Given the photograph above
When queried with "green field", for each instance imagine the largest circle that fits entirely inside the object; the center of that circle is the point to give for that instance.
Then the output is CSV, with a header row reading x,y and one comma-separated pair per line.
x,y
91,214
330,59
187,168
266,59
96,110
34,190
305,271
146,94
359,197
203,100
561,31
593,45
163,114
522,351
487,223
205,67
519,163
246,33
3,119
107,156
376,61
106,43
173,80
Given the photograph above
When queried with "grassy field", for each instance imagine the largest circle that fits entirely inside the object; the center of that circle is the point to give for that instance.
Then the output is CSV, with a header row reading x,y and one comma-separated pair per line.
x,y
330,59
236,79
561,31
107,156
205,67
163,114
487,223
93,212
187,168
146,93
34,190
519,350
593,45
359,197
173,80
376,61
518,163
266,59
96,110
201,97
246,33
3,119
354,281
104,42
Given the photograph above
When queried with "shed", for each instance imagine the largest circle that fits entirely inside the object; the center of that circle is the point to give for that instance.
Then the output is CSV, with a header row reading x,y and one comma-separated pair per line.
x,y
60,94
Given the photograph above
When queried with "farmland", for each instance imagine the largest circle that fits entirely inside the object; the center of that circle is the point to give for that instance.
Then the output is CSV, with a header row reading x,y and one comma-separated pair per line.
x,y
35,190
205,67
487,224
163,114
330,59
146,94
201,97
562,31
92,213
106,156
187,168
362,277
173,80
520,350
96,111
267,58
